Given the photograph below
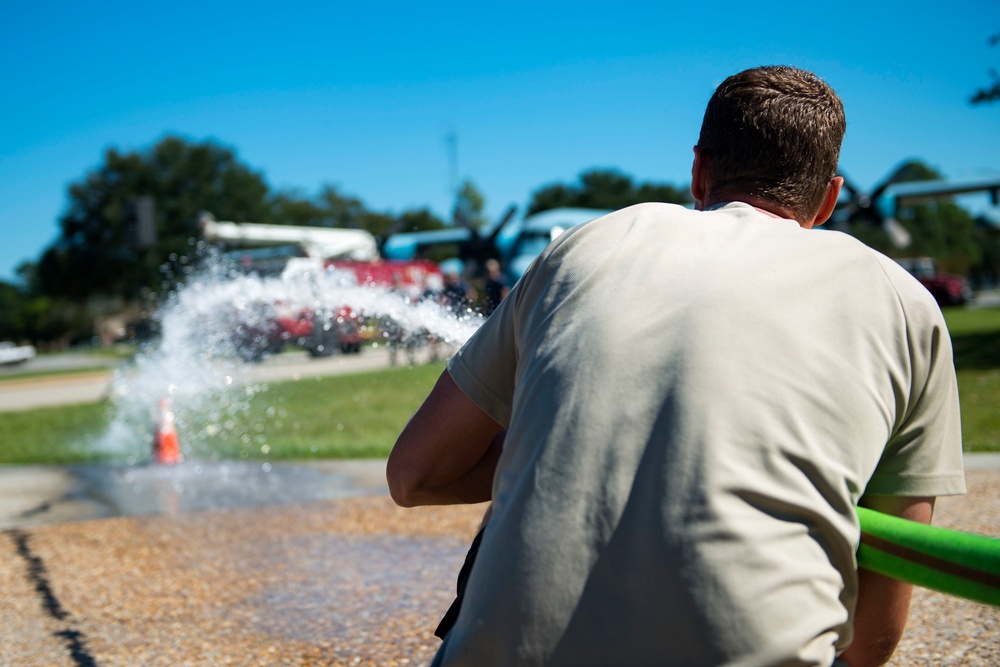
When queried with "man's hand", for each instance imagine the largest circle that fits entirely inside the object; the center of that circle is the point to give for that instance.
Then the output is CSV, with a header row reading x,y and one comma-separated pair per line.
x,y
883,603
447,453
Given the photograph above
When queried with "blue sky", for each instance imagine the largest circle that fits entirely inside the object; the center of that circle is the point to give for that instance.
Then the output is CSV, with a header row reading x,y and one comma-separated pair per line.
x,y
364,95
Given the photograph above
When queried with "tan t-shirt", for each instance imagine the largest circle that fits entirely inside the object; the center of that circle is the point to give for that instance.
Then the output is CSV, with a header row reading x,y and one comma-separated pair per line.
x,y
696,401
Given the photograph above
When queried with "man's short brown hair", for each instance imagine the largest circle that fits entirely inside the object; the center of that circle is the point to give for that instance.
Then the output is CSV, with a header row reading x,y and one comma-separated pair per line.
x,y
774,132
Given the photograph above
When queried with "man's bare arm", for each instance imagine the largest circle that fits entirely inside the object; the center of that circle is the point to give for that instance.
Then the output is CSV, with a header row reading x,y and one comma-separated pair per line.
x,y
447,453
883,603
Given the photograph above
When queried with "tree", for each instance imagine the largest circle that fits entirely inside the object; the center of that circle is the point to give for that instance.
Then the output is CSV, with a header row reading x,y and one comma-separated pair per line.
x,y
418,220
986,273
944,230
607,189
328,208
992,93
331,208
40,319
941,228
97,253
290,207
12,301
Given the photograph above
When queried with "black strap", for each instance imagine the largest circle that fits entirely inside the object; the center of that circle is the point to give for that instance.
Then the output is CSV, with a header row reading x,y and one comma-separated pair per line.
x,y
450,616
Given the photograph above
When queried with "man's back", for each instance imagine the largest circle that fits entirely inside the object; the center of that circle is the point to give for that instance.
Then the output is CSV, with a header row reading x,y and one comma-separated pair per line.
x,y
695,403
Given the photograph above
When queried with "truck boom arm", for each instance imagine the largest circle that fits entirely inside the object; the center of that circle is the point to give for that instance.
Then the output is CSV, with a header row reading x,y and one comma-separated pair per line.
x,y
318,242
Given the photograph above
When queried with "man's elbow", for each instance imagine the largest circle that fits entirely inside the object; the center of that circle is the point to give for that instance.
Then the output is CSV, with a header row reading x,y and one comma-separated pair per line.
x,y
404,485
873,655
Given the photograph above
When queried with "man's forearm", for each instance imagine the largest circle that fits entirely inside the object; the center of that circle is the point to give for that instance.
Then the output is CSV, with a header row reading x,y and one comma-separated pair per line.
x,y
883,603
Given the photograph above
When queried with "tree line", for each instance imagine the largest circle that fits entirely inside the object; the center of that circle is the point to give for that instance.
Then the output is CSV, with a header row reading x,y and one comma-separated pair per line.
x,y
127,230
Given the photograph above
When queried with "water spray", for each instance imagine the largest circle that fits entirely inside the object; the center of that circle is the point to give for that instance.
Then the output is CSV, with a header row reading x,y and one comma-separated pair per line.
x,y
217,323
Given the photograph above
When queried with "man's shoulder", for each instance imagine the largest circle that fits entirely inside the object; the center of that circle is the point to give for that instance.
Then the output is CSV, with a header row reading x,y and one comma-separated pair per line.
x,y
641,215
912,294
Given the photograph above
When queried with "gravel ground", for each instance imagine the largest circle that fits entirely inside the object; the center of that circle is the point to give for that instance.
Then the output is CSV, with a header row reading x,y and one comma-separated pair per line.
x,y
340,582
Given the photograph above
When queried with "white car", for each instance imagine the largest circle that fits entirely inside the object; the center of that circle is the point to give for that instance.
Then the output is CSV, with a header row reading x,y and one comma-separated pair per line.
x,y
15,354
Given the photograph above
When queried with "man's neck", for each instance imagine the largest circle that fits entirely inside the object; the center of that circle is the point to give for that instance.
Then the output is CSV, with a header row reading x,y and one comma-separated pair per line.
x,y
764,206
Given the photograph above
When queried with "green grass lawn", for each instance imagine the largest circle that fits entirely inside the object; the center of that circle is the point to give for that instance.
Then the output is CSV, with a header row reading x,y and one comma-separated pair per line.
x,y
349,416
359,416
51,435
975,336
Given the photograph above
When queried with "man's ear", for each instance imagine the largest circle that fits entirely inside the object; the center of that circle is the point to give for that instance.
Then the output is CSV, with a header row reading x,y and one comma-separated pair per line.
x,y
699,178
829,201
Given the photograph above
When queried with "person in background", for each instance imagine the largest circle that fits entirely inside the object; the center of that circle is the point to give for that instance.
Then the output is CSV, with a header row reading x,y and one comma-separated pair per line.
x,y
456,294
495,287
681,491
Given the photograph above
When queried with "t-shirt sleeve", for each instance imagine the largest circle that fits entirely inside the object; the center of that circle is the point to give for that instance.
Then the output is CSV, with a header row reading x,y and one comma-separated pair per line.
x,y
924,455
484,367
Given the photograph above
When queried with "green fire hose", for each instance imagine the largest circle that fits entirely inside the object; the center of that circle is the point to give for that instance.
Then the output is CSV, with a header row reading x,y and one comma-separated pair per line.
x,y
963,564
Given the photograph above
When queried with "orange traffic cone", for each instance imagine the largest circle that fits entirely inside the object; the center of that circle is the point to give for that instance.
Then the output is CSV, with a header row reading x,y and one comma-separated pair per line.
x,y
167,446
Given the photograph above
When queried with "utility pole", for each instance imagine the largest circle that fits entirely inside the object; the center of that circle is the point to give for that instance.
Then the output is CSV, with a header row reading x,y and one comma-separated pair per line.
x,y
451,144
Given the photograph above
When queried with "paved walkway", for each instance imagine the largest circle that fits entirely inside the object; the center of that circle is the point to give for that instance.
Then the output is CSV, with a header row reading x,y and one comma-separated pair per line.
x,y
91,386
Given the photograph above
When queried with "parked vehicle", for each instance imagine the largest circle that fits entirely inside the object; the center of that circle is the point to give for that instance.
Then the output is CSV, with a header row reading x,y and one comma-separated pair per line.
x,y
948,289
11,354
261,329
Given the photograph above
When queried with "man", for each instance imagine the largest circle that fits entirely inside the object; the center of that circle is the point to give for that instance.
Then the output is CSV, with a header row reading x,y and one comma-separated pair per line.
x,y
675,413
495,288
456,294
